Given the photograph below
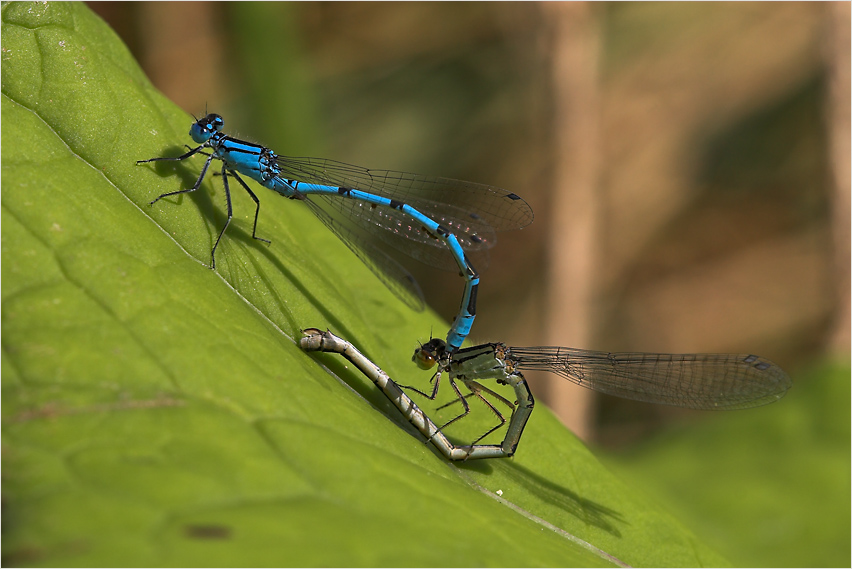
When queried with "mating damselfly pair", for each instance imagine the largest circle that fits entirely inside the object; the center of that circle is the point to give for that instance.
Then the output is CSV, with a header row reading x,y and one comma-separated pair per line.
x,y
439,221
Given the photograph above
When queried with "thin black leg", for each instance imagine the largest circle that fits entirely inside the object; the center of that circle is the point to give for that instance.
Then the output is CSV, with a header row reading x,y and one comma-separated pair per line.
x,y
431,397
194,187
230,213
192,152
256,203
463,402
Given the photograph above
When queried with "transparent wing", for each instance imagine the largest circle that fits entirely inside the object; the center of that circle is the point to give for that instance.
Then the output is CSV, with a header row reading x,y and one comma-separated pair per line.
x,y
404,234
698,381
391,273
470,202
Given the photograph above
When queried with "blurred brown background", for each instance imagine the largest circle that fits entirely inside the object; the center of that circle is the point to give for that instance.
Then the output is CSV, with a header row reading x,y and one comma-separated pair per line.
x,y
688,163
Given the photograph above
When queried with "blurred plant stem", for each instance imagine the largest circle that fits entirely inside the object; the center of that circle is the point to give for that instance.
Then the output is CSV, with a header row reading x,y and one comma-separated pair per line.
x,y
573,249
837,115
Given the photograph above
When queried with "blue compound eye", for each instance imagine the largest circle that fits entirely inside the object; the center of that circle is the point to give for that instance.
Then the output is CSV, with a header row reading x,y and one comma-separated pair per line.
x,y
200,133
202,129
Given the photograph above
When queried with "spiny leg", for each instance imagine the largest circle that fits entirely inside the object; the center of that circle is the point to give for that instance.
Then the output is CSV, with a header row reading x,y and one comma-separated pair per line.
x,y
436,379
463,402
191,152
480,387
431,397
197,182
476,390
257,208
230,214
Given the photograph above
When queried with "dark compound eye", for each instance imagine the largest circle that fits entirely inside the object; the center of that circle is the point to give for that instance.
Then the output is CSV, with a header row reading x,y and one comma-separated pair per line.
x,y
423,358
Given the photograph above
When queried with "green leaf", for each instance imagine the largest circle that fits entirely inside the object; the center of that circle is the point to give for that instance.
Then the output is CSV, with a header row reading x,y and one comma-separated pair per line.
x,y
156,412
776,493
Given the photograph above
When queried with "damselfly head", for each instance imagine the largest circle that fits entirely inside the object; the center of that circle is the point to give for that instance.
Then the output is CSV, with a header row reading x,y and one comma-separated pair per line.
x,y
202,129
430,353
423,358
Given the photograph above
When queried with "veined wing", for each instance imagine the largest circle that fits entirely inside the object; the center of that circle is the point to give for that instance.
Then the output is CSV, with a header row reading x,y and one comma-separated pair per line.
x,y
406,235
500,209
391,273
698,381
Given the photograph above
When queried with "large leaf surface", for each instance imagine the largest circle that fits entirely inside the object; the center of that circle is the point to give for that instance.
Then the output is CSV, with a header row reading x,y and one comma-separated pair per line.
x,y
776,491
156,412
